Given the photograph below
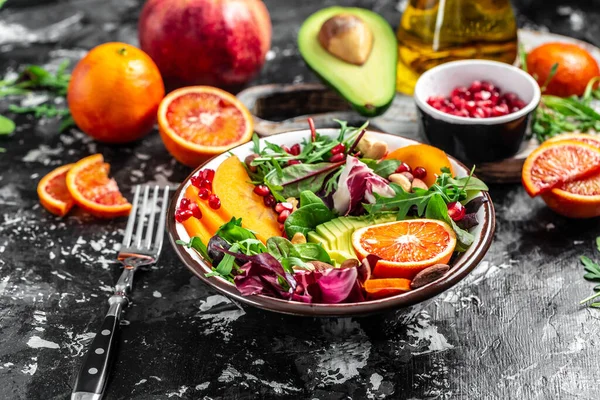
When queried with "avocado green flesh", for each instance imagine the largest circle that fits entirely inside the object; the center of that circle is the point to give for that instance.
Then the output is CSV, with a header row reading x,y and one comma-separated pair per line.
x,y
336,235
370,88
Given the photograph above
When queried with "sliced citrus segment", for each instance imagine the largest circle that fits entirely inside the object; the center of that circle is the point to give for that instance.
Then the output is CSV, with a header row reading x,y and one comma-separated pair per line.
x,y
380,288
425,156
198,122
405,247
555,163
94,191
577,199
53,193
232,184
592,140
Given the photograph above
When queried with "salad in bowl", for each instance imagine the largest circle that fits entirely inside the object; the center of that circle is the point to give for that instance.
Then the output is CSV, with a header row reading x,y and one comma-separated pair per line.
x,y
336,219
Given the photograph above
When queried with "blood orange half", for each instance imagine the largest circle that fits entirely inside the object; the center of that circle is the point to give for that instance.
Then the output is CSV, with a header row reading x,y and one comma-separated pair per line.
x,y
577,199
94,191
592,140
556,163
198,122
405,247
53,193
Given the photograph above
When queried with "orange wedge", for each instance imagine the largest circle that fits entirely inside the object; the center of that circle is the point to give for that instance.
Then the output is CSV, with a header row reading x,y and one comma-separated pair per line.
x,y
405,247
198,122
94,191
53,193
555,163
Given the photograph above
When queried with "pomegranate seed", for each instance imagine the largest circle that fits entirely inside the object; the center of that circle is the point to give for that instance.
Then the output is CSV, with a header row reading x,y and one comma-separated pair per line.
x,y
510,97
518,104
470,106
458,102
404,167
286,149
482,95
484,103
196,212
419,172
462,113
487,86
283,216
279,207
197,181
339,148
456,211
184,203
206,184
183,215
281,227
495,98
475,86
515,109
337,157
461,92
261,190
295,149
203,193
214,202
479,113
500,110
269,200
294,162
209,174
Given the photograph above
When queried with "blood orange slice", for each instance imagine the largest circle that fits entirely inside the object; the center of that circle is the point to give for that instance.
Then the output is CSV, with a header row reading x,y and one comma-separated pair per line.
x,y
592,140
405,247
94,191
577,199
555,163
53,193
198,122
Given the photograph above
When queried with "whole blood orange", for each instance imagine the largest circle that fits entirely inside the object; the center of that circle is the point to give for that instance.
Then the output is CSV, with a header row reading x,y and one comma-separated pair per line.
x,y
555,163
53,193
94,191
114,93
198,122
405,247
575,68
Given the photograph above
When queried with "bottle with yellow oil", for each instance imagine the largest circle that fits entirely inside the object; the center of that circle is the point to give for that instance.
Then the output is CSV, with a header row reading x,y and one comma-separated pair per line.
x,y
433,32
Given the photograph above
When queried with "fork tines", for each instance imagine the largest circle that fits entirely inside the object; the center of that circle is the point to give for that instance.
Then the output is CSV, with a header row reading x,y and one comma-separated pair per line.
x,y
145,214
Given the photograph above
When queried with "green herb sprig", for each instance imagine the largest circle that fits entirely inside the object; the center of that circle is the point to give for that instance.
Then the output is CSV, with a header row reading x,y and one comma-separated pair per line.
x,y
592,274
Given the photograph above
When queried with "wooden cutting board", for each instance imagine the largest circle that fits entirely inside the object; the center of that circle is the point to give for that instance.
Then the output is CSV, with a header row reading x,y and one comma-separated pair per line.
x,y
280,107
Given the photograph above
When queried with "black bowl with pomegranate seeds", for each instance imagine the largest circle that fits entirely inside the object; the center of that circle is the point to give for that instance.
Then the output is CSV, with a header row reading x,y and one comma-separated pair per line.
x,y
476,110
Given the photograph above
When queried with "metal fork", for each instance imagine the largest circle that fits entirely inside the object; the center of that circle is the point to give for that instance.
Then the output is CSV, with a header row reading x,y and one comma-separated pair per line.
x,y
136,251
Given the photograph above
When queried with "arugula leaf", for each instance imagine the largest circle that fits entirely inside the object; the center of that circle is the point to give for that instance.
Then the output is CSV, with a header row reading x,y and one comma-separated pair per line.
x,y
383,168
255,143
196,244
7,126
402,202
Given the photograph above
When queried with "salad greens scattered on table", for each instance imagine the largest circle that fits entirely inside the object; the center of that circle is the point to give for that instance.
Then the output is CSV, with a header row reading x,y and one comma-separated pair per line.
x,y
592,274
327,180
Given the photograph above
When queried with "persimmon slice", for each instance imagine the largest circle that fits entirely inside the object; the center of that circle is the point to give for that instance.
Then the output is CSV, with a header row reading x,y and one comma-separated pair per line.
x,y
556,163
405,247
380,288
198,122
94,191
53,193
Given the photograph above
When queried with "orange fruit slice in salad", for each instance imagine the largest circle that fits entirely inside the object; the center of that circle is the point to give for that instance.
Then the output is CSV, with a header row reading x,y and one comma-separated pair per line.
x,y
423,155
577,199
53,192
94,191
405,247
555,163
380,288
198,122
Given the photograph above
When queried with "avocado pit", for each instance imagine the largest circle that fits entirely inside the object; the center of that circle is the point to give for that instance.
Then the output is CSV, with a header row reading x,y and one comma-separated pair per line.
x,y
347,37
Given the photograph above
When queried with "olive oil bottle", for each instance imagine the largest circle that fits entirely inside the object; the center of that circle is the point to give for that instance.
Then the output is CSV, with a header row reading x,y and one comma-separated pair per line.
x,y
433,32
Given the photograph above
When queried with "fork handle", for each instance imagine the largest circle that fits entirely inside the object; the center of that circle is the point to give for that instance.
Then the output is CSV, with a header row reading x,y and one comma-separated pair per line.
x,y
94,371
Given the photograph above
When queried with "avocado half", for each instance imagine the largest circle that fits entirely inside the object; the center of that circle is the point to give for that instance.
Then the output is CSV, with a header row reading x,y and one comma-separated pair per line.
x,y
370,88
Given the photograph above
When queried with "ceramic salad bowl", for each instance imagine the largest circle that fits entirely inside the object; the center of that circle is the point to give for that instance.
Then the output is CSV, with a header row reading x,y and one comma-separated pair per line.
x,y
461,265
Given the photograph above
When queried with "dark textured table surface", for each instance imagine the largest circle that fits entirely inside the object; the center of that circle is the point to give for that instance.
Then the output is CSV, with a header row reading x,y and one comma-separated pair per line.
x,y
512,330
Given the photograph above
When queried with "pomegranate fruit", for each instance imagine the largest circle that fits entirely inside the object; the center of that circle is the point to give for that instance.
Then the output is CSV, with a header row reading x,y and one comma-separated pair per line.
x,y
220,43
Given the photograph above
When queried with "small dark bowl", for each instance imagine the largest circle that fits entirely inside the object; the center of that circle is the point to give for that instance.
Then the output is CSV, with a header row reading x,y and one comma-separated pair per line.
x,y
475,139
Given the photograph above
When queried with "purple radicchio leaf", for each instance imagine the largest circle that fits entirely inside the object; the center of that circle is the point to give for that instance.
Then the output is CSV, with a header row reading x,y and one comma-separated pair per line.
x,y
357,182
470,219
262,274
331,286
474,205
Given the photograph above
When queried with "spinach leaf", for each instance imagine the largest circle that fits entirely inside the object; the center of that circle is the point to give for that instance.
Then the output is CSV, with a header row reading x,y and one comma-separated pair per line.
x,y
312,252
305,219
296,178
307,197
383,168
233,231
437,209
280,248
